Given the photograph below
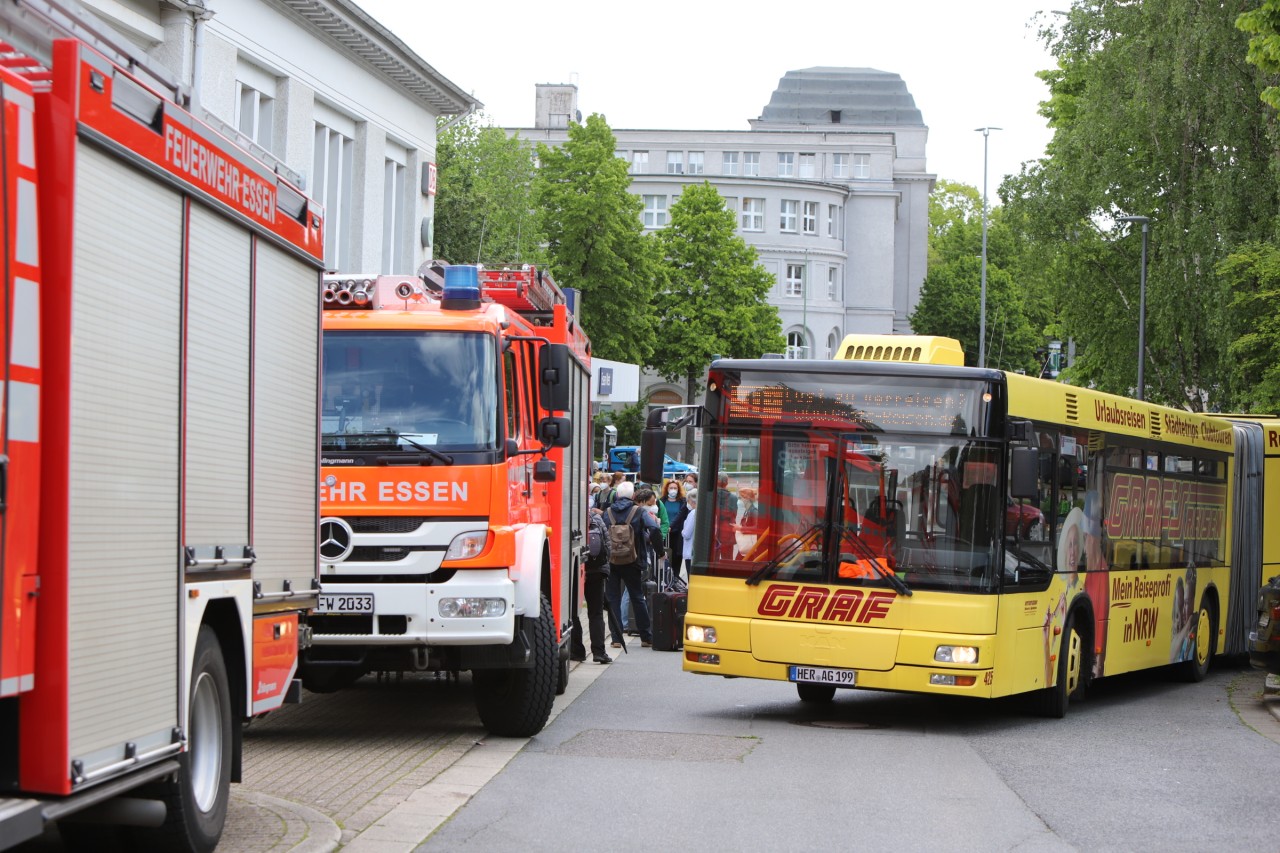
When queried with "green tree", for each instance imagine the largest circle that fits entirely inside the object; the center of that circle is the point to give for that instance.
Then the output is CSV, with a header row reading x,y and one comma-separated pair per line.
x,y
714,302
1154,112
1254,274
484,197
1264,47
596,241
951,295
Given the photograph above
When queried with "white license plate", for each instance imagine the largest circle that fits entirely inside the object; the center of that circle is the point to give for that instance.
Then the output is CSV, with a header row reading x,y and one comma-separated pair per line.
x,y
823,675
345,602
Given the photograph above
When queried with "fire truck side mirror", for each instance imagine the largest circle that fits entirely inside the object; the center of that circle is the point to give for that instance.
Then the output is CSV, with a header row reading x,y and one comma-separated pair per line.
x,y
653,453
555,432
553,377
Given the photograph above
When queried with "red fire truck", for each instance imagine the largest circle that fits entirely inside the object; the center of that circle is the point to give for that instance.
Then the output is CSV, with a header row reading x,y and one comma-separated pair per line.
x,y
455,455
159,435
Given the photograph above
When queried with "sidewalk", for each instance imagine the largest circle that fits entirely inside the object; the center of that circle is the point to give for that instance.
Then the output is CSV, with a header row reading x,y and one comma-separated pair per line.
x,y
1271,695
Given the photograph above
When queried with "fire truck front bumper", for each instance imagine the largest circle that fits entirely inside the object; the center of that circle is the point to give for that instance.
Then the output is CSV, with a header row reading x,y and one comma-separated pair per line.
x,y
475,607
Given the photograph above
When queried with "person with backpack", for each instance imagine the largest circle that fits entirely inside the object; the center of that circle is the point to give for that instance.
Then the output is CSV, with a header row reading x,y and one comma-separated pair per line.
x,y
628,545
595,573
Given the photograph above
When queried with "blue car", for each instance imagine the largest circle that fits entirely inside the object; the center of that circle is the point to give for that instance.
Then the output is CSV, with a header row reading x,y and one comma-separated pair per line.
x,y
627,459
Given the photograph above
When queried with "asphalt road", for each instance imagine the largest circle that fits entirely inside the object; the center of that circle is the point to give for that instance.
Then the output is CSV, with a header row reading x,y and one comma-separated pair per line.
x,y
650,757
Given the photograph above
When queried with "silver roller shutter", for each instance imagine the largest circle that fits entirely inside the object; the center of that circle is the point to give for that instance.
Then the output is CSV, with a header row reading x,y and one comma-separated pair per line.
x,y
285,421
219,301
124,555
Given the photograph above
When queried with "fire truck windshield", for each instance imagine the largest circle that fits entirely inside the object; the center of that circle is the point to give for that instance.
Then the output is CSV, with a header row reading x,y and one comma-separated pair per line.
x,y
410,390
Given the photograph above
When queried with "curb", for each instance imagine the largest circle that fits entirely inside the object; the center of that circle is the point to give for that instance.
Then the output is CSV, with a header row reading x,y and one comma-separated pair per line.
x,y
1271,695
305,830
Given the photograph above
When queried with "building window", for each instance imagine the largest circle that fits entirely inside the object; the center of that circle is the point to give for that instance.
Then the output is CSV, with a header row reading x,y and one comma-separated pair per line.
x,y
558,120
833,343
675,162
255,113
839,165
810,221
655,211
695,162
639,162
787,219
786,164
833,274
862,165
833,220
808,165
394,231
331,185
751,164
795,280
753,214
729,163
796,347
731,203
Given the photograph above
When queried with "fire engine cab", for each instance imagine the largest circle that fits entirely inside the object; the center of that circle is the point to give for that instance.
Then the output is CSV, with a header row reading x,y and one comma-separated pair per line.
x,y
454,464
159,441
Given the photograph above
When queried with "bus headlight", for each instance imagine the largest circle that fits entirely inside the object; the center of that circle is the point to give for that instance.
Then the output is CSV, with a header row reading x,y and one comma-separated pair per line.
x,y
453,608
467,545
956,654
699,634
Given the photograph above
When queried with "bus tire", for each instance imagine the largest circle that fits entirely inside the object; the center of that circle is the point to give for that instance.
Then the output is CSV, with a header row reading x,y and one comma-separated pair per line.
x,y
517,702
196,798
1206,635
818,694
1072,670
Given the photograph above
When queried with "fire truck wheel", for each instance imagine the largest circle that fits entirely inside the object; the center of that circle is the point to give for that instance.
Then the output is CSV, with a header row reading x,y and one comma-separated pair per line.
x,y
517,702
1073,669
1205,625
816,693
196,800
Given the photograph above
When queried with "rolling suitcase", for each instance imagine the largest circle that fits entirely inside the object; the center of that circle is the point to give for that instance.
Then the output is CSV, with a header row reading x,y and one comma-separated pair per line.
x,y
667,613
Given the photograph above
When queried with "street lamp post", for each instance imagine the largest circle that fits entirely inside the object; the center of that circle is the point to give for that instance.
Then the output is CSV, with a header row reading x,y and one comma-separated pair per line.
x,y
982,307
1142,304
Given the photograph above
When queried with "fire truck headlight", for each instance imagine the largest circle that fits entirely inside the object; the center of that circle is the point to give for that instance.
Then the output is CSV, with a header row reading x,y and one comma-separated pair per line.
x,y
956,654
699,634
453,608
467,545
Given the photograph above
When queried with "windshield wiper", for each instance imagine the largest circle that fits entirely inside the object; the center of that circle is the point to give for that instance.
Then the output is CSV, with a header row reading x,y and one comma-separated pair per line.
x,y
787,553
870,556
399,436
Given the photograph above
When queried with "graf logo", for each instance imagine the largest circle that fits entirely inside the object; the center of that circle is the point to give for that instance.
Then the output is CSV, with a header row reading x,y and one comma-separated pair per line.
x,y
819,602
336,539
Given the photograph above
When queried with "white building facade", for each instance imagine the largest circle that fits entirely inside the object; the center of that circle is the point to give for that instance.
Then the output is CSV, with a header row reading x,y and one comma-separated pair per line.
x,y
324,91
829,185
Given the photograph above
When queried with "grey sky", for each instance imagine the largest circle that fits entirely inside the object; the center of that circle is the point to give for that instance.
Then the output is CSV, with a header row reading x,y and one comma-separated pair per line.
x,y
713,65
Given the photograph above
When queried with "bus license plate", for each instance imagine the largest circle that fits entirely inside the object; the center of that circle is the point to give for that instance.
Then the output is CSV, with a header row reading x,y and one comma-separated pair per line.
x,y
823,675
346,602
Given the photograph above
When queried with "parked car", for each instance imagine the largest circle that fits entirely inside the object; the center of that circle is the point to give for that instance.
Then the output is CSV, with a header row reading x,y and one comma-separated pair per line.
x,y
1264,640
627,459
1023,520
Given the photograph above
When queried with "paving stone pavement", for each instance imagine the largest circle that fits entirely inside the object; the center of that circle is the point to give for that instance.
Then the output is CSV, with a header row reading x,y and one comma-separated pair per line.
x,y
374,768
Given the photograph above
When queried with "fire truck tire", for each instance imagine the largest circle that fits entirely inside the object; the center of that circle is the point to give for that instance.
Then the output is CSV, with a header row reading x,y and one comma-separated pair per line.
x,y
1206,628
815,693
562,677
1073,669
517,702
196,800
319,678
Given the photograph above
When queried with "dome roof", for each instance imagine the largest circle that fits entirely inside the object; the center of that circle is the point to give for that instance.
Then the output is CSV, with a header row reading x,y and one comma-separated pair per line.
x,y
861,97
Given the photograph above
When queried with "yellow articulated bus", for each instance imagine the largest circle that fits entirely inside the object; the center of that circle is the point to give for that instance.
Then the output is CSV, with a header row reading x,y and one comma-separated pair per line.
x,y
933,528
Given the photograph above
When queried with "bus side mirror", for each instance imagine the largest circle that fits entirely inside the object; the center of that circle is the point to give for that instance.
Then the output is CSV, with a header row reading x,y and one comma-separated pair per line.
x,y
555,432
553,377
1023,468
653,453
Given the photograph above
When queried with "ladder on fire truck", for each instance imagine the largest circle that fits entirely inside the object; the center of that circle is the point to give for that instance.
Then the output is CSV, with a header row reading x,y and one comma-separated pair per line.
x,y
526,289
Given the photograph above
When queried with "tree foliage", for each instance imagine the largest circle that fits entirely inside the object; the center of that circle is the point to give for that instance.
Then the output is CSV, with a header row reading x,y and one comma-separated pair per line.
x,y
1254,274
1155,113
484,196
1264,47
596,241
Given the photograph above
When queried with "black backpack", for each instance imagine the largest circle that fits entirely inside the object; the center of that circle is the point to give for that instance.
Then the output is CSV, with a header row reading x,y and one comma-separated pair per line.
x,y
622,539
597,536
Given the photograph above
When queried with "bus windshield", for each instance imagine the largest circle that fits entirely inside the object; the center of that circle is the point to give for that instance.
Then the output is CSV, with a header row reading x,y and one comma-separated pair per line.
x,y
406,390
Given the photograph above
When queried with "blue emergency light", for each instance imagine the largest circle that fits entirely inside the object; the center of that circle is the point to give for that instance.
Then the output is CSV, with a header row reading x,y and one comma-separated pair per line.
x,y
461,288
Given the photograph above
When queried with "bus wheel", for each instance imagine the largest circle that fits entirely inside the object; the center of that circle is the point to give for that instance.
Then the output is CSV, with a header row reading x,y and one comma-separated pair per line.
x,y
815,693
1053,701
196,799
516,702
1206,634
